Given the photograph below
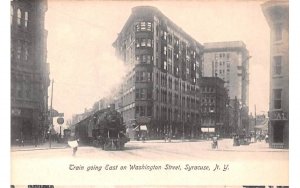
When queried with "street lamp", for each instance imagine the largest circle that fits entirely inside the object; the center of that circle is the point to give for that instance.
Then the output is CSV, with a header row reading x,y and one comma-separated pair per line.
x,y
211,111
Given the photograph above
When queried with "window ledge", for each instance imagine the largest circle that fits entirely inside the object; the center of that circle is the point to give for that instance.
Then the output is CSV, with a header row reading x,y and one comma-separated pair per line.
x,y
277,76
278,42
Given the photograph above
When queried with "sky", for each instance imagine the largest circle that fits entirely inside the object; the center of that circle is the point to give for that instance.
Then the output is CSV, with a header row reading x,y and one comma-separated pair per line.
x,y
82,60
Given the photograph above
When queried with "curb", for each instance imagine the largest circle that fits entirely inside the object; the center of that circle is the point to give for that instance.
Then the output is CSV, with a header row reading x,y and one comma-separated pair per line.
x,y
32,149
174,141
231,150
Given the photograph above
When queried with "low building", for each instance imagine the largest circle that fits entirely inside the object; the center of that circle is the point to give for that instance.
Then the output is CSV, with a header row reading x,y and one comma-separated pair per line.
x,y
213,110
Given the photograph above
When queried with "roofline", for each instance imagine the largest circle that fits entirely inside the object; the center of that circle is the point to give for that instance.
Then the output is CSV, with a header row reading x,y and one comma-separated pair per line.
x,y
241,47
156,11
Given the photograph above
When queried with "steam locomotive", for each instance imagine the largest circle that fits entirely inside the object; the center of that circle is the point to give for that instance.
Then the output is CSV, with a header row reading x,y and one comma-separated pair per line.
x,y
103,129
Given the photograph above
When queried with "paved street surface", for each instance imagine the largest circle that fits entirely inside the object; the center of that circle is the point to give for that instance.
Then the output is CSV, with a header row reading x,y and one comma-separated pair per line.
x,y
247,164
159,150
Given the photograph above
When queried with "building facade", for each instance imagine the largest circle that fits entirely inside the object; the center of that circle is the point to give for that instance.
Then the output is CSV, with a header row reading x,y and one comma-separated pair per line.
x,y
230,62
164,71
29,70
277,15
214,117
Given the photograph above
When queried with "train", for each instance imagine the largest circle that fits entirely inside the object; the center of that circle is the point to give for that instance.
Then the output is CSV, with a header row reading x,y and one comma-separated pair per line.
x,y
103,129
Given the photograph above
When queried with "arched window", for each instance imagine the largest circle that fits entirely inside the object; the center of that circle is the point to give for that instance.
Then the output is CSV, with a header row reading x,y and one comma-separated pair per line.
x,y
19,16
26,19
25,52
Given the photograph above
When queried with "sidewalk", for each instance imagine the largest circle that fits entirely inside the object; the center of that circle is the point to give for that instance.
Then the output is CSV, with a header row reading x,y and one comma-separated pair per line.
x,y
223,145
163,141
227,145
43,146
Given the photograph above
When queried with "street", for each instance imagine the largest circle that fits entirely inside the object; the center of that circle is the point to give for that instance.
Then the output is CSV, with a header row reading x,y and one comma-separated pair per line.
x,y
160,150
195,162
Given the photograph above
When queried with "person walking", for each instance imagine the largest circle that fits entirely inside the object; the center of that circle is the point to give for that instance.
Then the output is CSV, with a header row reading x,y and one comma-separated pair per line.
x,y
267,138
73,143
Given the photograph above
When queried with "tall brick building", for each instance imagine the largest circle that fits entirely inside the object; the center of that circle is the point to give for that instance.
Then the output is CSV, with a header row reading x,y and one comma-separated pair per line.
x,y
29,70
162,83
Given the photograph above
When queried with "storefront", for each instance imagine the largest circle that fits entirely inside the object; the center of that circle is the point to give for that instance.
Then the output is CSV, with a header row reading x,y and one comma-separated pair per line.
x,y
279,129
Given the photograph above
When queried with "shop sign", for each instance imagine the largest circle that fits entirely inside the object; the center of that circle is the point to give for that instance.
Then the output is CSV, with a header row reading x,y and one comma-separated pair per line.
x,y
278,115
60,120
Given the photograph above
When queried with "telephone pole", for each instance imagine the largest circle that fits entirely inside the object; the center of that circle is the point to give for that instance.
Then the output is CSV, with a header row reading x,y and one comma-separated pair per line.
x,y
51,119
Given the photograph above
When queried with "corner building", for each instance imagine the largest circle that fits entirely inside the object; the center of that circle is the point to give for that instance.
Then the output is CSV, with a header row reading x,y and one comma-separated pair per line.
x,y
277,16
164,69
29,70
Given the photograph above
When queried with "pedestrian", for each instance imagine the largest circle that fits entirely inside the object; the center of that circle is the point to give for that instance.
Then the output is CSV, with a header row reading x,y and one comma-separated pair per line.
x,y
215,142
166,137
143,137
267,138
73,143
22,140
35,140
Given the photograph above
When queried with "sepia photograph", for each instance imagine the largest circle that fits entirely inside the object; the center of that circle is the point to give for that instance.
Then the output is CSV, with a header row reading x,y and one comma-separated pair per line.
x,y
149,93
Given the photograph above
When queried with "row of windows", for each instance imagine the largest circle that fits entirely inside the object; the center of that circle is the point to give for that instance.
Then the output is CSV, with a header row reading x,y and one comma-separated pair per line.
x,y
221,72
221,63
22,90
144,59
222,55
143,110
168,37
173,98
162,79
208,121
207,90
168,52
143,76
208,109
169,114
143,93
20,51
143,26
20,17
168,67
208,100
143,43
128,98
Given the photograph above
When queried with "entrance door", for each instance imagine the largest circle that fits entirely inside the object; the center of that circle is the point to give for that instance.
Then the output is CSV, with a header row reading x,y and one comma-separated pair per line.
x,y
278,132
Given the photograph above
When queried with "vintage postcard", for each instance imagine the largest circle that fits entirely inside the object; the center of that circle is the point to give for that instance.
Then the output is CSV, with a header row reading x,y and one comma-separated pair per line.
x,y
149,93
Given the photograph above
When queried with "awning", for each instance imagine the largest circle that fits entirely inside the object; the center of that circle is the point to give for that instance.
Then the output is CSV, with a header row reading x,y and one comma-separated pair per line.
x,y
207,130
143,128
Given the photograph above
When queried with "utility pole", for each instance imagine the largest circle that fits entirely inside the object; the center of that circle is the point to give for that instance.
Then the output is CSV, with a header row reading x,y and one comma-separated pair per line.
x,y
180,93
51,119
254,115
254,122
